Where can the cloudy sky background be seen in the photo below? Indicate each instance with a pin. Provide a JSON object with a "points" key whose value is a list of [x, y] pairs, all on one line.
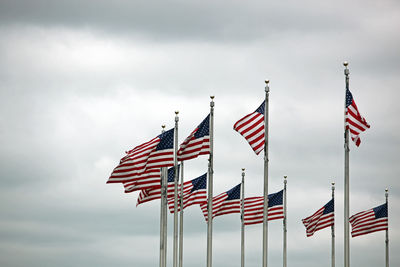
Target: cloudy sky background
{"points": [[83, 81]]}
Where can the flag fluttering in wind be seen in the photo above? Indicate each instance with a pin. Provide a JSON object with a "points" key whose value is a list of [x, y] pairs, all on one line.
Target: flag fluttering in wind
{"points": [[225, 203], [354, 121], [369, 221], [150, 178], [254, 208], [251, 127], [197, 143], [321, 219], [156, 153], [150, 194], [194, 192]]}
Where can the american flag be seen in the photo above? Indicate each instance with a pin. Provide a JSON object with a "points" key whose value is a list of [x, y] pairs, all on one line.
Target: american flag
{"points": [[354, 121], [369, 221], [225, 203], [150, 178], [156, 153], [150, 194], [251, 127], [323, 218], [254, 208], [197, 143], [194, 192]]}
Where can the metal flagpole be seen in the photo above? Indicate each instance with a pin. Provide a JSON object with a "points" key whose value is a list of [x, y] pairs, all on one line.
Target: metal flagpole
{"points": [[265, 210], [333, 227], [242, 220], [346, 181], [387, 232], [284, 223], [210, 186], [163, 221], [165, 214], [181, 221], [176, 178]]}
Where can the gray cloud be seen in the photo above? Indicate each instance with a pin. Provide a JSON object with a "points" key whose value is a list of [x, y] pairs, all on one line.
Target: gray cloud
{"points": [[181, 20], [82, 82]]}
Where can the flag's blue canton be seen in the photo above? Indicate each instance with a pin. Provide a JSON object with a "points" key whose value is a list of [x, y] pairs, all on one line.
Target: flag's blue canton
{"points": [[275, 199], [234, 193], [329, 207], [199, 183], [167, 140], [171, 174], [204, 128], [349, 98], [381, 211], [261, 108]]}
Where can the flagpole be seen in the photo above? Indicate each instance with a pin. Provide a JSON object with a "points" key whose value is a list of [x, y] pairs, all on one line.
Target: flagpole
{"points": [[181, 221], [284, 223], [346, 182], [210, 185], [387, 231], [333, 227], [242, 220], [165, 205], [176, 178], [265, 210], [163, 221]]}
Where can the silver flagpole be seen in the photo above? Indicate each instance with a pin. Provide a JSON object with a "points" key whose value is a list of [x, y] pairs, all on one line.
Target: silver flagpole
{"points": [[165, 214], [284, 223], [181, 221], [346, 182], [387, 232], [242, 220], [265, 218], [176, 178], [210, 186], [162, 216], [333, 227]]}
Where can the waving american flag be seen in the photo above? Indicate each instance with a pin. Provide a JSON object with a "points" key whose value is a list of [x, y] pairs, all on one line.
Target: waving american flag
{"points": [[254, 208], [251, 127], [194, 192], [324, 217], [156, 153], [354, 121], [225, 203], [197, 143], [369, 221]]}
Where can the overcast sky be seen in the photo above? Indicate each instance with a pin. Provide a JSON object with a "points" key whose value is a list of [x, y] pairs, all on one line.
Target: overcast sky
{"points": [[83, 81]]}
